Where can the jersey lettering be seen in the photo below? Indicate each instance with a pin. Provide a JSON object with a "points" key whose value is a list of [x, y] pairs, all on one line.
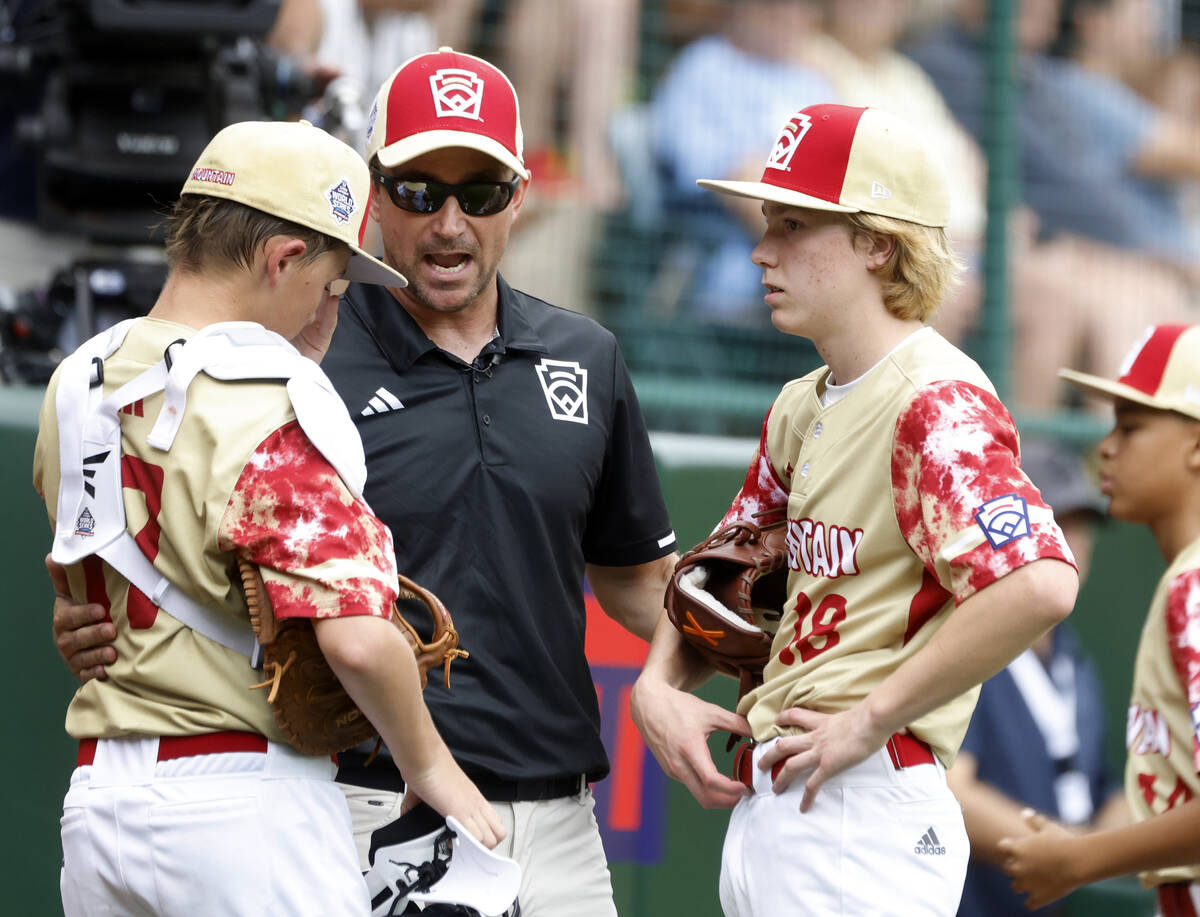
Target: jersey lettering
{"points": [[1181, 794], [823, 635], [820, 550], [1146, 732], [140, 475]]}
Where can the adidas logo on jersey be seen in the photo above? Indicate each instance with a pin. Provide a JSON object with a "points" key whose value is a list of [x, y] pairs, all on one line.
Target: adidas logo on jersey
{"points": [[929, 845], [382, 402]]}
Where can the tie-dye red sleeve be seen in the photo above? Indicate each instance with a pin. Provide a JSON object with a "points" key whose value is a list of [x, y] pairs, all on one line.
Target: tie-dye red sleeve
{"points": [[1183, 636], [963, 503], [763, 489], [322, 551]]}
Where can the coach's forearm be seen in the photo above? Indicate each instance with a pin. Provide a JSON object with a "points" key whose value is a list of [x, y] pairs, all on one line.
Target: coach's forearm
{"points": [[672, 661], [976, 641], [633, 595], [378, 670]]}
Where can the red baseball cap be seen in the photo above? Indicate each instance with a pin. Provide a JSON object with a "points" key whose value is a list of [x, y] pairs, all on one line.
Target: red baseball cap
{"points": [[850, 160], [446, 99], [1162, 370]]}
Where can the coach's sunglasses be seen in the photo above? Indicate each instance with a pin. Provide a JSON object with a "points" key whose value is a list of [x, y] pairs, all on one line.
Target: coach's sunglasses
{"points": [[475, 198]]}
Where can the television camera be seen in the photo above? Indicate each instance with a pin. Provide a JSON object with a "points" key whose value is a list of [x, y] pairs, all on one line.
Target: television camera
{"points": [[111, 101]]}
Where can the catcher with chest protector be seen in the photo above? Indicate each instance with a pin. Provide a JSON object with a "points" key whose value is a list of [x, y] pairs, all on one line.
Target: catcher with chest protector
{"points": [[169, 448]]}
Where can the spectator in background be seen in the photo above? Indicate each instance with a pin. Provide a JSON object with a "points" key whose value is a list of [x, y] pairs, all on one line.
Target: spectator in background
{"points": [[1131, 140], [1036, 738], [1088, 274], [748, 80], [856, 50], [572, 62], [366, 40]]}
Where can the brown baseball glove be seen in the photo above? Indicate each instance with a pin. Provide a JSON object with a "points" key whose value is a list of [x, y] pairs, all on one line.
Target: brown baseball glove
{"points": [[313, 710], [726, 597]]}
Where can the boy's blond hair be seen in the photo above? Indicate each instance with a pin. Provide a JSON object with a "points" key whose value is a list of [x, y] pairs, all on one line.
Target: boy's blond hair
{"points": [[922, 269], [209, 232]]}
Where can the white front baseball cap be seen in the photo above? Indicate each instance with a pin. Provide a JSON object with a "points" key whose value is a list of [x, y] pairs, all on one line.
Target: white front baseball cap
{"points": [[297, 172], [850, 160]]}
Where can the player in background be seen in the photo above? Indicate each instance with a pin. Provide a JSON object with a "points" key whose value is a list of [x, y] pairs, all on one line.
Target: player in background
{"points": [[186, 798], [921, 559], [1150, 471], [1037, 736]]}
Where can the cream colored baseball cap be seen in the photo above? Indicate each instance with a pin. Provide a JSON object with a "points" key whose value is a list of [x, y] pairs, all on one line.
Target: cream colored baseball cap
{"points": [[850, 160], [297, 172], [1161, 370], [446, 99]]}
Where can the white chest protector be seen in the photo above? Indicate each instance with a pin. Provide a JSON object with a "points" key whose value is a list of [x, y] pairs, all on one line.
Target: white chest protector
{"points": [[91, 508]]}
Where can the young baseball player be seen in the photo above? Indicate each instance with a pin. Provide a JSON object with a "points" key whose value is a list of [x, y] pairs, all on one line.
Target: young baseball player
{"points": [[921, 559], [171, 445], [1150, 471]]}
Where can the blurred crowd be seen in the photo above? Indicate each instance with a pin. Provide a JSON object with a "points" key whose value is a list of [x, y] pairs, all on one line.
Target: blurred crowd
{"points": [[627, 102]]}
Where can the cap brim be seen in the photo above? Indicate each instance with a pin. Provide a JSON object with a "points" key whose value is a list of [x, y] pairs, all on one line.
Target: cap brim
{"points": [[1107, 388], [761, 191], [410, 148], [363, 268]]}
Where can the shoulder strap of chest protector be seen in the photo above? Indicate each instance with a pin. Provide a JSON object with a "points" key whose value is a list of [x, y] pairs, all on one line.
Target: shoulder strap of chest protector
{"points": [[91, 509]]}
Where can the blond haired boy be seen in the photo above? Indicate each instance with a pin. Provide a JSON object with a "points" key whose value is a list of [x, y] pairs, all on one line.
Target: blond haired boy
{"points": [[168, 447], [921, 559], [1150, 471]]}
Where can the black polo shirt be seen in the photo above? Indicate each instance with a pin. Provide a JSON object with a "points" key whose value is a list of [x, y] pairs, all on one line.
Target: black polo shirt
{"points": [[499, 480]]}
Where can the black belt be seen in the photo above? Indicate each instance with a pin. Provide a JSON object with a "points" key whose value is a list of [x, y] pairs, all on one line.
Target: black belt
{"points": [[381, 774]]}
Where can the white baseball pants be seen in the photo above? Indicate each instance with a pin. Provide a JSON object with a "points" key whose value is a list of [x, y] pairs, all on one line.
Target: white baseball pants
{"points": [[877, 841], [237, 833]]}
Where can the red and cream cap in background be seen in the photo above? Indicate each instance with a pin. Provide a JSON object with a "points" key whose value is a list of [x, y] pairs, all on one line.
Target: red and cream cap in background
{"points": [[446, 99], [1162, 370], [850, 160], [296, 172]]}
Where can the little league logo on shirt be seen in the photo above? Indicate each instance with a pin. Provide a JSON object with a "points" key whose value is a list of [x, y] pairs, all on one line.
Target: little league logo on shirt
{"points": [[1004, 519], [565, 386], [457, 94], [789, 138], [341, 201]]}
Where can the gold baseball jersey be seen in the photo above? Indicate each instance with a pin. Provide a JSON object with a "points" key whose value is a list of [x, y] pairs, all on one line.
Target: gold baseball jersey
{"points": [[1161, 733], [903, 498], [240, 479]]}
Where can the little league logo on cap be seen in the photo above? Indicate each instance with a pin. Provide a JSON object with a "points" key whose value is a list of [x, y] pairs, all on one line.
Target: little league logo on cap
{"points": [[850, 160], [299, 173], [1161, 370], [456, 94], [446, 99]]}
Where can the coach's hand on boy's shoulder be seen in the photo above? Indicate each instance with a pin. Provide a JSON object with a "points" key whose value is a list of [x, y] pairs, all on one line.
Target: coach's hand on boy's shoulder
{"points": [[1041, 863], [831, 743]]}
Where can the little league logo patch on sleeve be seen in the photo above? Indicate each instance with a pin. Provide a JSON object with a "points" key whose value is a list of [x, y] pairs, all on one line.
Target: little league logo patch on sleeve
{"points": [[457, 93], [565, 385], [1004, 519], [341, 201], [789, 138]]}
